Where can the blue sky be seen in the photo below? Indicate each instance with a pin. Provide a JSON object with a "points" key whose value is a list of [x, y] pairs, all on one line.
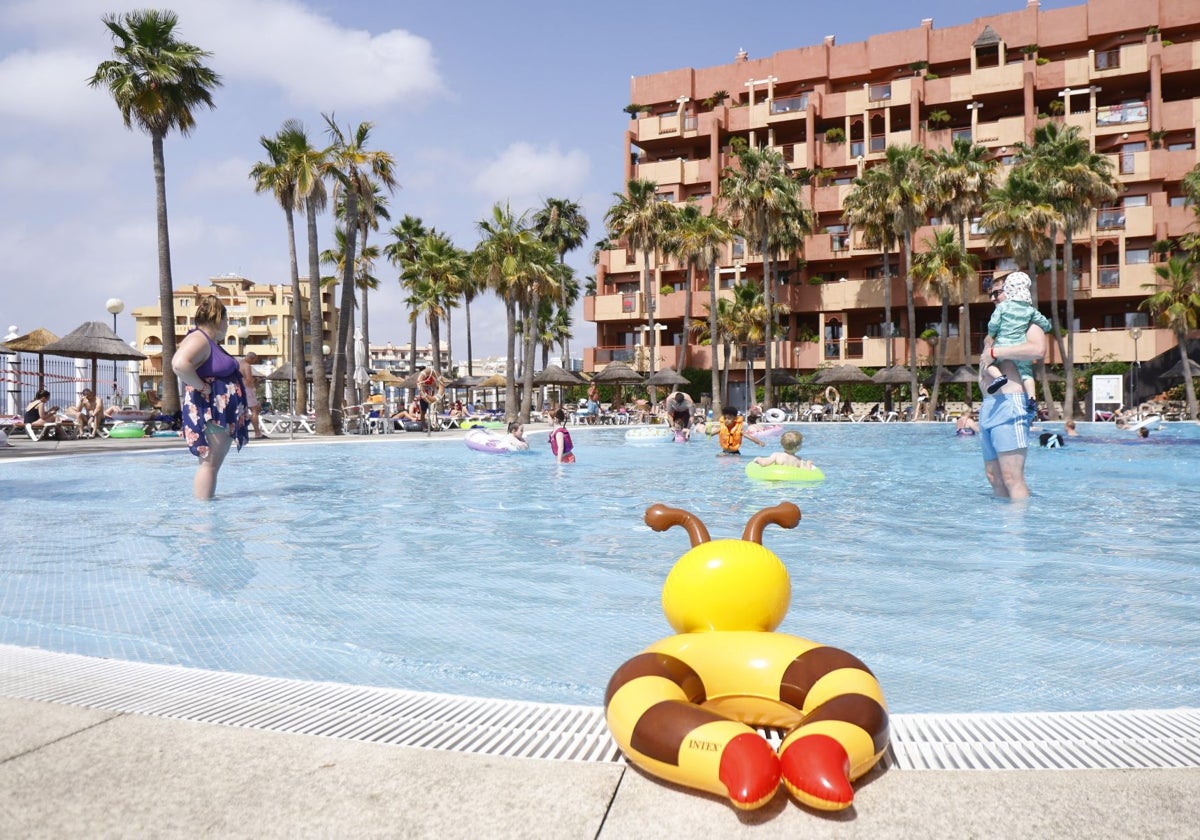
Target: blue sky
{"points": [[479, 102]]}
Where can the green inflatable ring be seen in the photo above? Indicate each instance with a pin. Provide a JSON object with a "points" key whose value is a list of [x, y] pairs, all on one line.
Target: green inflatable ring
{"points": [[127, 430], [780, 472]]}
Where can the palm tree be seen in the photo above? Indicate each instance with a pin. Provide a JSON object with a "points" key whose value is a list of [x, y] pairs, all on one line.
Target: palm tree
{"points": [[747, 323], [277, 175], [1175, 303], [641, 219], [697, 239], [158, 83], [372, 207], [401, 253], [354, 169], [910, 193], [507, 255], [867, 208], [433, 277], [1076, 180], [948, 268], [964, 177], [561, 223], [762, 194], [1017, 216]]}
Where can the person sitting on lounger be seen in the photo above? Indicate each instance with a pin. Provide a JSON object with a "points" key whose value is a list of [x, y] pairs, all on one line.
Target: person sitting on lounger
{"points": [[90, 413], [39, 414]]}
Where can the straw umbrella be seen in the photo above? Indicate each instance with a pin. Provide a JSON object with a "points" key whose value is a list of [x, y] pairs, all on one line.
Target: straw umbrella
{"points": [[845, 374], [668, 377], [93, 340], [31, 342], [618, 373], [556, 375], [497, 381]]}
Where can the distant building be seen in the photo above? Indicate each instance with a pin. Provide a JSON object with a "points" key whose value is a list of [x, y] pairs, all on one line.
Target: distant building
{"points": [[1124, 73], [264, 311]]}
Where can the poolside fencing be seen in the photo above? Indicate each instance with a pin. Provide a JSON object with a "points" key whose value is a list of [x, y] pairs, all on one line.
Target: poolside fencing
{"points": [[22, 374]]}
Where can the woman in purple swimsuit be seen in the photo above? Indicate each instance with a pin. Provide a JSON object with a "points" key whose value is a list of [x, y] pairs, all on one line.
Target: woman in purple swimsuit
{"points": [[214, 399]]}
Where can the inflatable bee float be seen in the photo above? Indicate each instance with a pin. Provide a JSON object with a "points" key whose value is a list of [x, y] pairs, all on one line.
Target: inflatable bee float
{"points": [[684, 708]]}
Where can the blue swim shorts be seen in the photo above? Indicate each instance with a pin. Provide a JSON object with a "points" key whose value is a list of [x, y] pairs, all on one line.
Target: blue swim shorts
{"points": [[1003, 424]]}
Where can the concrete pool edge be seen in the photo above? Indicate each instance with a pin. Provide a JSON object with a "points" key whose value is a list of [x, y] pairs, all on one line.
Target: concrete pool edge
{"points": [[1111, 740]]}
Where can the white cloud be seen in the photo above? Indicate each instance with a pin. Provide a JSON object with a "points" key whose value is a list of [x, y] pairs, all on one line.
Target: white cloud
{"points": [[227, 177], [524, 174], [50, 87]]}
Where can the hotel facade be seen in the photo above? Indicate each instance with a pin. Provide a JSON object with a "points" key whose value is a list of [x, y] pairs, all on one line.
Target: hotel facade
{"points": [[1126, 74]]}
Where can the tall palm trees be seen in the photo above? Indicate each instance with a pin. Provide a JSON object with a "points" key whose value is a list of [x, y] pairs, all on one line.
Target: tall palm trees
{"points": [[963, 176], [1175, 303], [354, 169], [697, 239], [513, 260], [948, 267], [278, 175], [561, 223], [1076, 180], [867, 209], [641, 219], [765, 199], [157, 82], [402, 252]]}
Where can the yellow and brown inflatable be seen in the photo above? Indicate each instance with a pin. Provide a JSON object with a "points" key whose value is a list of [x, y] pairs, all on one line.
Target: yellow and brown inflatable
{"points": [[683, 709]]}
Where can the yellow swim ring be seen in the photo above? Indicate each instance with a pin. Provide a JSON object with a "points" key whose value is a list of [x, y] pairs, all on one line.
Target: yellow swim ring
{"points": [[684, 708]]}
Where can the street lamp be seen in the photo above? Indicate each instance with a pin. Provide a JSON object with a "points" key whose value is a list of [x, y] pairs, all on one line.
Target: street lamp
{"points": [[243, 332], [115, 306], [1135, 333]]}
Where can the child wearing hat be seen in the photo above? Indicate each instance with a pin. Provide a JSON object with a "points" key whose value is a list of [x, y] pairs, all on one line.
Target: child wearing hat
{"points": [[1014, 314]]}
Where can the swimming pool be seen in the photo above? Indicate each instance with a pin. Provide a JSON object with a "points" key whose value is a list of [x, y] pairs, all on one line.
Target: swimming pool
{"points": [[423, 565]]}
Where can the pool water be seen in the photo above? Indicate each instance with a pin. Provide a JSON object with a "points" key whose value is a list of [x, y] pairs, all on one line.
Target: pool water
{"points": [[421, 564]]}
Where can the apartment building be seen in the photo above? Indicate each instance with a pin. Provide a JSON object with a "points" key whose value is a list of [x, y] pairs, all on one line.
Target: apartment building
{"points": [[260, 319], [1127, 74]]}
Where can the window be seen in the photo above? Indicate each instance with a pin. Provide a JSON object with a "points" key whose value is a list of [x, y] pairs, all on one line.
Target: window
{"points": [[880, 92], [1110, 219], [739, 247], [1178, 201], [185, 303], [260, 303], [1108, 278], [1108, 60], [1137, 256], [1133, 201], [977, 228], [1186, 145]]}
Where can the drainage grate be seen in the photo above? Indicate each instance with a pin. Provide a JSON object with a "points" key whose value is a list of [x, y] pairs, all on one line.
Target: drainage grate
{"points": [[1084, 740]]}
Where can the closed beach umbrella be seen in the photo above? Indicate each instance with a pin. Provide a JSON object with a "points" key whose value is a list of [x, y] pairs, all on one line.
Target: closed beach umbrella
{"points": [[361, 375]]}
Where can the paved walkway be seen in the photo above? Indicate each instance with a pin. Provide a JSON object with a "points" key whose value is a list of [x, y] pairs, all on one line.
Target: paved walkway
{"points": [[67, 771]]}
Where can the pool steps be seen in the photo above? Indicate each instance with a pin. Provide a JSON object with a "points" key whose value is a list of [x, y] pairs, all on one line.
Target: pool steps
{"points": [[510, 728]]}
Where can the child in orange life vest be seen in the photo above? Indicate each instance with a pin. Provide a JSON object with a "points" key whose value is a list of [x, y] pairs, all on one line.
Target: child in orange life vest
{"points": [[732, 430], [560, 440]]}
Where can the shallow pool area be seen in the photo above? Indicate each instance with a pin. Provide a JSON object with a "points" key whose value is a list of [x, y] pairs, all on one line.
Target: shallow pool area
{"points": [[420, 564]]}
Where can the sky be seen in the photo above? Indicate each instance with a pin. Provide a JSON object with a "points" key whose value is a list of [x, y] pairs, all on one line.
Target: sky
{"points": [[478, 102]]}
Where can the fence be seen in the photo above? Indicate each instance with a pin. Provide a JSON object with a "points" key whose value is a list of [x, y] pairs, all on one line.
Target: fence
{"points": [[23, 373]]}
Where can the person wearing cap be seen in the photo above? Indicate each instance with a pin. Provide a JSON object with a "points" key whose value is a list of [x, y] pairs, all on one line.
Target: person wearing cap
{"points": [[1009, 322], [1004, 417]]}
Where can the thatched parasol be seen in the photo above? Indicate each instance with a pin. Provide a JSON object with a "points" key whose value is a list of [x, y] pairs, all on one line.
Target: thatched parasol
{"points": [[93, 340], [618, 373], [33, 342], [667, 376], [1176, 370], [556, 375], [842, 374], [895, 375]]}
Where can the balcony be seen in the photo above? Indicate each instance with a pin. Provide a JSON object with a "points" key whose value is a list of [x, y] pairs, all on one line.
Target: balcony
{"points": [[1110, 219], [793, 106]]}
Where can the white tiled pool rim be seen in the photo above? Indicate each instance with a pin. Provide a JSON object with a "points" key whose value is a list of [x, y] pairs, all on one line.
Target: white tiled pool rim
{"points": [[1146, 739]]}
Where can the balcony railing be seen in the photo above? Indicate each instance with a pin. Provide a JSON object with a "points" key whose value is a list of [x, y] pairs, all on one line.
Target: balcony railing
{"points": [[1108, 278], [878, 142], [1110, 220], [878, 93], [1125, 112], [1108, 59], [790, 104]]}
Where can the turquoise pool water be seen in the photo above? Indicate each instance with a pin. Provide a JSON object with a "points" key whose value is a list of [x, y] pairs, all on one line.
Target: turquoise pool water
{"points": [[423, 565]]}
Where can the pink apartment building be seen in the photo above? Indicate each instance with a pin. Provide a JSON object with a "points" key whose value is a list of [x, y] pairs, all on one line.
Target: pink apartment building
{"points": [[1127, 74]]}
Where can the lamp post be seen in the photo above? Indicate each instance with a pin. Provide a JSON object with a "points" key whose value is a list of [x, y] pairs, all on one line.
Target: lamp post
{"points": [[115, 306], [1135, 333], [243, 332]]}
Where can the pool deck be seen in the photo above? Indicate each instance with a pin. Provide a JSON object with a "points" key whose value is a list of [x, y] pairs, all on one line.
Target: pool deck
{"points": [[70, 770]]}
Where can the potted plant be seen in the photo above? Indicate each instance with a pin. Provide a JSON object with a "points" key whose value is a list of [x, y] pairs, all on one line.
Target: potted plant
{"points": [[1056, 107], [835, 135], [633, 109], [938, 119], [917, 66], [1156, 138]]}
